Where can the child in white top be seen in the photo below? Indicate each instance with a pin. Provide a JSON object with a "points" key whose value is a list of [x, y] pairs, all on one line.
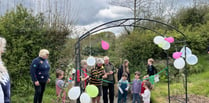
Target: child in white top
{"points": [[147, 94]]}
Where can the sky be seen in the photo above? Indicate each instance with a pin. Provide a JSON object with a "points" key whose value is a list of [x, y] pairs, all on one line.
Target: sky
{"points": [[87, 14]]}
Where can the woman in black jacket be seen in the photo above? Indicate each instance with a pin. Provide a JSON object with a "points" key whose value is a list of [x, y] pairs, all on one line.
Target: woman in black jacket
{"points": [[124, 69]]}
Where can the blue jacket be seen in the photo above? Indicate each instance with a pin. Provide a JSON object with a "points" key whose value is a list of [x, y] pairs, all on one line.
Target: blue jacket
{"points": [[5, 86], [39, 70]]}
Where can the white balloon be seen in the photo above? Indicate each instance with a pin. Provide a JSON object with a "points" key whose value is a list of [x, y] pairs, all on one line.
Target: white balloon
{"points": [[192, 59], [179, 63], [91, 61], [188, 52], [74, 93], [85, 98], [73, 70], [166, 45], [158, 39]]}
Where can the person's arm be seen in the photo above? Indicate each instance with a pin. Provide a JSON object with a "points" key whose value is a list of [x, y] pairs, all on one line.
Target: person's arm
{"points": [[33, 70], [148, 69], [78, 75], [120, 73], [127, 85], [60, 83], [140, 84], [145, 95], [154, 69], [119, 84], [132, 88]]}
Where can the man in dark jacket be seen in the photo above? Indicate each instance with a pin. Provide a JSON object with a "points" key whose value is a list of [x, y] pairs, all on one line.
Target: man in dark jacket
{"points": [[109, 72]]}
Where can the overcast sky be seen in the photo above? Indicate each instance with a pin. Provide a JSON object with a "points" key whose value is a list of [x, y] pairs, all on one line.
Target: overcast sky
{"points": [[86, 13]]}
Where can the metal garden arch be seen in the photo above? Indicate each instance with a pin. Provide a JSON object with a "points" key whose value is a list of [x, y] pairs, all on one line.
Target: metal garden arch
{"points": [[128, 22]]}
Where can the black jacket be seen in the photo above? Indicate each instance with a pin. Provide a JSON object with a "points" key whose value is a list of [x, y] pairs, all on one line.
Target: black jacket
{"points": [[120, 73], [151, 70]]}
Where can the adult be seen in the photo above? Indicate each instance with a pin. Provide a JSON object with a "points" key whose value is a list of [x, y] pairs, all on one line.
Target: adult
{"points": [[109, 72], [97, 73], [151, 70], [84, 75], [39, 71], [4, 76], [124, 69]]}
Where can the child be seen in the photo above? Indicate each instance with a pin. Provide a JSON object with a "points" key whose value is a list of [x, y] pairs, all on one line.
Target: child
{"points": [[151, 70], [123, 88], [136, 88], [142, 86], [60, 84], [147, 94]]}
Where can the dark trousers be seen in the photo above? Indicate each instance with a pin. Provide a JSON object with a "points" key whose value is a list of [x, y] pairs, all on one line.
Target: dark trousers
{"points": [[136, 98], [122, 97], [105, 89], [39, 91]]}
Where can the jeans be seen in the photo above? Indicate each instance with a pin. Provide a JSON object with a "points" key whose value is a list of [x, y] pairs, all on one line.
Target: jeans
{"points": [[111, 93], [39, 91], [122, 97], [136, 98]]}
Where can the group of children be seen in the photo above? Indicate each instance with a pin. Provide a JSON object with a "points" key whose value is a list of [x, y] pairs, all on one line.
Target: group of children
{"points": [[140, 89]]}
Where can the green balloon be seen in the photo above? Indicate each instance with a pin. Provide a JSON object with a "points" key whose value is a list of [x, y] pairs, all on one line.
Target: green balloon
{"points": [[92, 90]]}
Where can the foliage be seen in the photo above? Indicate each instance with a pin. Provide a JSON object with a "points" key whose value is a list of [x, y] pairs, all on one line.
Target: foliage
{"points": [[26, 35], [194, 16]]}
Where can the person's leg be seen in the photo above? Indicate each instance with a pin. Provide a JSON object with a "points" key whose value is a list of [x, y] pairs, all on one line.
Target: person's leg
{"points": [[119, 97], [64, 96], [125, 96], [93, 100], [137, 98], [111, 92], [133, 101], [37, 93], [105, 99], [42, 85], [98, 99]]}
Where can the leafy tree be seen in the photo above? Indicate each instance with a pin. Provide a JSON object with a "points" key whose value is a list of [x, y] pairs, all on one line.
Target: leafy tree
{"points": [[26, 34]]}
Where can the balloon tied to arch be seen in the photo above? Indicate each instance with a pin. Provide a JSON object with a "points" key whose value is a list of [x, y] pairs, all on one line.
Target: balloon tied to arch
{"points": [[180, 56]]}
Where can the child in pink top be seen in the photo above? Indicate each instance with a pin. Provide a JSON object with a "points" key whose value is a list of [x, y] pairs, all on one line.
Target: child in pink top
{"points": [[60, 84]]}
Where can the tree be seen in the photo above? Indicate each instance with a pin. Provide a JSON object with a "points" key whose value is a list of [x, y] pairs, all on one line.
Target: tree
{"points": [[26, 35]]}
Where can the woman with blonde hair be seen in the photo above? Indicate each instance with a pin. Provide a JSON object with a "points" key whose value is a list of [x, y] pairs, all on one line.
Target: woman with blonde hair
{"points": [[39, 71], [124, 69], [4, 76]]}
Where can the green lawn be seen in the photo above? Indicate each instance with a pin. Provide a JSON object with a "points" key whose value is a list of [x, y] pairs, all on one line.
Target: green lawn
{"points": [[198, 83]]}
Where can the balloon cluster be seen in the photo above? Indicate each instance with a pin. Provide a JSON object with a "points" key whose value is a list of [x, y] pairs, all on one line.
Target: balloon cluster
{"points": [[185, 52], [163, 43], [85, 97]]}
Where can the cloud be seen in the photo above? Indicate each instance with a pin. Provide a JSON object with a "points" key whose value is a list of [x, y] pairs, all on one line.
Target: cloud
{"points": [[114, 12]]}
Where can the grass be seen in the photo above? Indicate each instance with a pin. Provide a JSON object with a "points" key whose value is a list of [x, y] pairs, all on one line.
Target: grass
{"points": [[197, 83]]}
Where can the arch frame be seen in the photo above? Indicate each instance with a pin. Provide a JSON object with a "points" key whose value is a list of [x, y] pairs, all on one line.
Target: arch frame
{"points": [[129, 22]]}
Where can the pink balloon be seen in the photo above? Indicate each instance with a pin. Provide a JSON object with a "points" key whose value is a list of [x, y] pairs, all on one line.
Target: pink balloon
{"points": [[105, 45], [177, 55], [170, 39]]}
